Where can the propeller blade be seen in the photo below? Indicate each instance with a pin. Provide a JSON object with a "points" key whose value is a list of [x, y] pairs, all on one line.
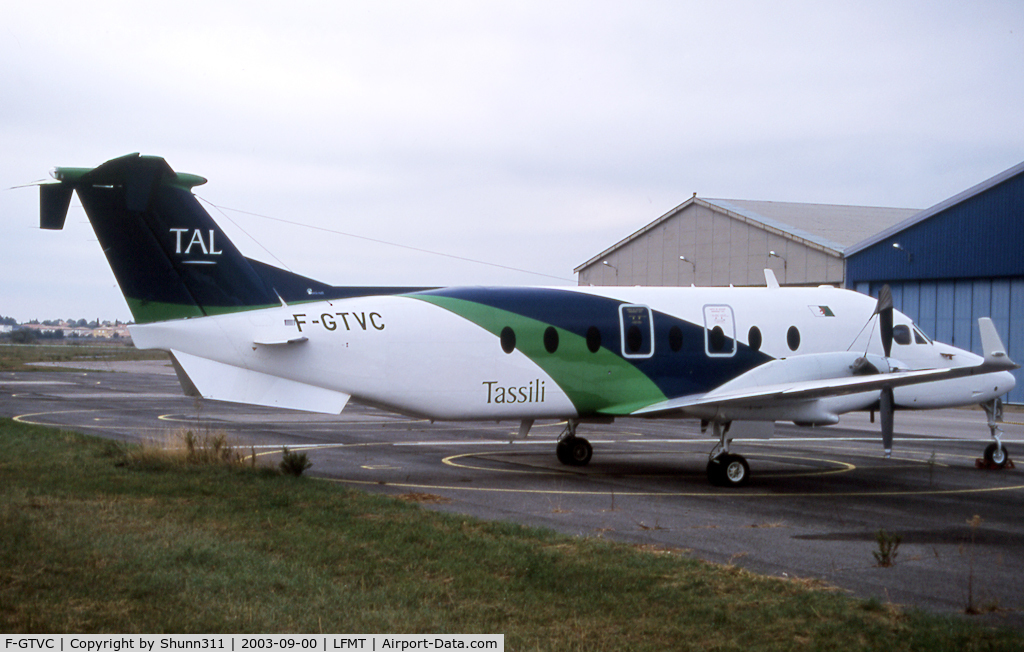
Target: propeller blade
{"points": [[884, 311], [886, 409]]}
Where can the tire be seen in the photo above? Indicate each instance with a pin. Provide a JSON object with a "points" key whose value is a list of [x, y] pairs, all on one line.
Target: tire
{"points": [[728, 471], [580, 451], [562, 452], [736, 471], [716, 471], [575, 451], [997, 455]]}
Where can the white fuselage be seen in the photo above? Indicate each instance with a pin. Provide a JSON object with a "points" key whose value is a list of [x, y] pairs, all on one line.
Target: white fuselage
{"points": [[443, 359]]}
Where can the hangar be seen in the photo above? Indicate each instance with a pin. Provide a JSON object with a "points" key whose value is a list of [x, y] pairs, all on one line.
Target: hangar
{"points": [[954, 262], [730, 242], [947, 265]]}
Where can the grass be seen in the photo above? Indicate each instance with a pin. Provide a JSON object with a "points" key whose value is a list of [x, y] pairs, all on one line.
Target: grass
{"points": [[95, 538], [16, 357]]}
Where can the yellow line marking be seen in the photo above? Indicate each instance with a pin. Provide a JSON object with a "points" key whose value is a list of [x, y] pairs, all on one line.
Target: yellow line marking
{"points": [[703, 494]]}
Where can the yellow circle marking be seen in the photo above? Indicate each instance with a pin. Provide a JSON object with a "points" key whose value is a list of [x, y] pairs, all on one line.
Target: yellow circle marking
{"points": [[844, 467]]}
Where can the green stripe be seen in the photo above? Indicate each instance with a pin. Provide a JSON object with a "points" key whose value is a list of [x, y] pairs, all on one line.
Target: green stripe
{"points": [[147, 312], [601, 383]]}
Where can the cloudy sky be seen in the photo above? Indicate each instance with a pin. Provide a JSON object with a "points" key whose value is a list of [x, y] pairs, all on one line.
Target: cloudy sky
{"points": [[528, 135]]}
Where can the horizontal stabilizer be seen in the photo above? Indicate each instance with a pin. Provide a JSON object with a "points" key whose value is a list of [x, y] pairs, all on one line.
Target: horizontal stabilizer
{"points": [[54, 201], [217, 381]]}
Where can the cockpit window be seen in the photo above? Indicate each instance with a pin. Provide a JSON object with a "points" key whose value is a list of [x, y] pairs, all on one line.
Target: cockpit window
{"points": [[920, 337], [901, 334]]}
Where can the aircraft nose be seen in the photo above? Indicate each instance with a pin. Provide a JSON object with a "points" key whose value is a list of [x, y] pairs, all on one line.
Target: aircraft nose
{"points": [[1004, 382], [993, 385]]}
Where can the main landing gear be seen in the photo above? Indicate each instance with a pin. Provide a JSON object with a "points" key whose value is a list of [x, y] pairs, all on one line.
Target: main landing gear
{"points": [[996, 455], [572, 450], [726, 469]]}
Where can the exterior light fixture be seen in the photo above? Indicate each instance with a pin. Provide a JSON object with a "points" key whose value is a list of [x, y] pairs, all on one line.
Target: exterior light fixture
{"points": [[897, 246], [687, 260], [785, 264]]}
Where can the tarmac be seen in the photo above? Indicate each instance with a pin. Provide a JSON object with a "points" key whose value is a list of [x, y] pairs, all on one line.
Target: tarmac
{"points": [[817, 499]]}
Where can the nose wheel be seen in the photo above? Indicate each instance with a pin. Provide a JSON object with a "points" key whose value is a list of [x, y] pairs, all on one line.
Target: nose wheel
{"points": [[996, 455]]}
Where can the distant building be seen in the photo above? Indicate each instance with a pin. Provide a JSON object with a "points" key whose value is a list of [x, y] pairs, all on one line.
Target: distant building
{"points": [[730, 242], [106, 331]]}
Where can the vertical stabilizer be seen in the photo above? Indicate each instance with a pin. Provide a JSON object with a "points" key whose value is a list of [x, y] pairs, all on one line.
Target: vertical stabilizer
{"points": [[170, 258]]}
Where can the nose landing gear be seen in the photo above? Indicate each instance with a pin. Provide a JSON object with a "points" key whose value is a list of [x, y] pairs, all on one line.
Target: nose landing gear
{"points": [[996, 455]]}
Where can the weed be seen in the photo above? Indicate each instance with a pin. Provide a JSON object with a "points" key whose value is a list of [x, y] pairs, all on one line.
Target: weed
{"points": [[971, 607], [872, 604], [293, 463], [185, 447], [888, 546]]}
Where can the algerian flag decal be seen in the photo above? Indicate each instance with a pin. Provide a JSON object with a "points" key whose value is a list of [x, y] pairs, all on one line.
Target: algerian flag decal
{"points": [[822, 311]]}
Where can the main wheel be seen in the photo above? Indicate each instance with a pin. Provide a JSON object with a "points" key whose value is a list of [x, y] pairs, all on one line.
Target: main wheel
{"points": [[562, 452], [737, 471], [996, 455], [728, 471], [574, 451], [716, 471]]}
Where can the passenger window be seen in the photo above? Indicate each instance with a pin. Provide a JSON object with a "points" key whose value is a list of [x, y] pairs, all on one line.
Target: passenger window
{"points": [[901, 334], [593, 339], [637, 331], [634, 339], [508, 339], [550, 339], [754, 338], [675, 339], [793, 338], [716, 340]]}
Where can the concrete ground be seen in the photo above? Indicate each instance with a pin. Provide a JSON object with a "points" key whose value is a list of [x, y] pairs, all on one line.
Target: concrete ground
{"points": [[817, 498]]}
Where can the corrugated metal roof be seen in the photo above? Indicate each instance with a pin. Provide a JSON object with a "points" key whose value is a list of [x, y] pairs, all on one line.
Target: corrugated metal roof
{"points": [[935, 210], [831, 227]]}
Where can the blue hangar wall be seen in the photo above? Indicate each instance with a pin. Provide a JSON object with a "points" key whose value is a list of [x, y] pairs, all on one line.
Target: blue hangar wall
{"points": [[957, 261]]}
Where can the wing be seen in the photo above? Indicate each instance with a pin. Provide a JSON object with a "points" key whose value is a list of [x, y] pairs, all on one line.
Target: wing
{"points": [[794, 383], [795, 391]]}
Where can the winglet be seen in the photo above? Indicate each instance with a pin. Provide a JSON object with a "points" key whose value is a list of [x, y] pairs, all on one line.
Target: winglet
{"points": [[770, 280], [992, 346]]}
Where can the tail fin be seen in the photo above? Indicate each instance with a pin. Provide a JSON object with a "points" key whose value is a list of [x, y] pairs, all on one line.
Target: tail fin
{"points": [[170, 258]]}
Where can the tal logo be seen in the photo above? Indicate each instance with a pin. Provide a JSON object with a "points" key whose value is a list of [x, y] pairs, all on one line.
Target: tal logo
{"points": [[196, 243]]}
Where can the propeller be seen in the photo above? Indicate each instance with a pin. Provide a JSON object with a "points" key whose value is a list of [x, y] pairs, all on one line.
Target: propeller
{"points": [[884, 311], [886, 401], [886, 413]]}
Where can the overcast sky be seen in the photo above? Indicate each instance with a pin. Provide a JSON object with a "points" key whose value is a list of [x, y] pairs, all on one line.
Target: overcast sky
{"points": [[530, 135]]}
